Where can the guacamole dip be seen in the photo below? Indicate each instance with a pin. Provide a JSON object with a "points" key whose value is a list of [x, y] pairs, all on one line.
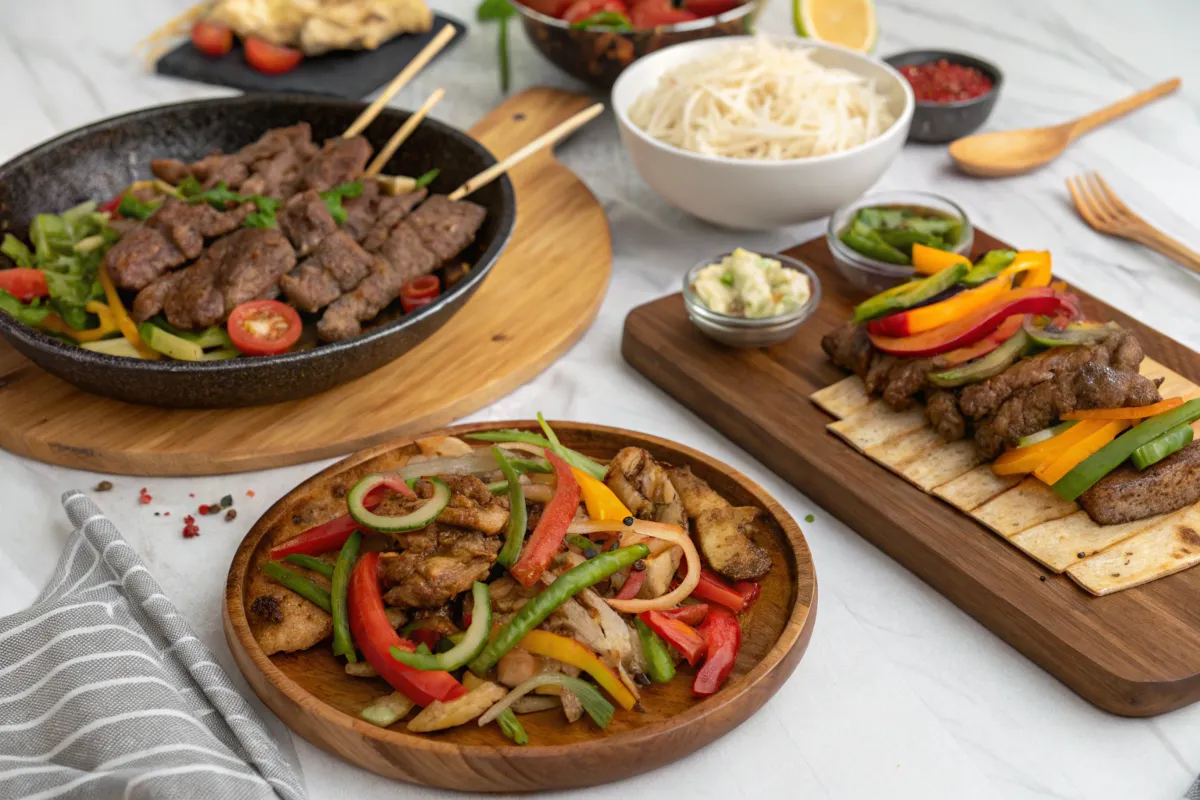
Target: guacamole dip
{"points": [[746, 284]]}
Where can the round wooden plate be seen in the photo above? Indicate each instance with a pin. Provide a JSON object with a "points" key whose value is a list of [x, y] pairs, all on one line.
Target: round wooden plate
{"points": [[311, 693]]}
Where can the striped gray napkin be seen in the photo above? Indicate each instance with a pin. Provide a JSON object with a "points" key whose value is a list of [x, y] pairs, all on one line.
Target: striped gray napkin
{"points": [[105, 691]]}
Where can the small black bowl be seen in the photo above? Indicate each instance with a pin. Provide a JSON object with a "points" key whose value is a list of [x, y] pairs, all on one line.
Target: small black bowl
{"points": [[100, 160], [945, 122]]}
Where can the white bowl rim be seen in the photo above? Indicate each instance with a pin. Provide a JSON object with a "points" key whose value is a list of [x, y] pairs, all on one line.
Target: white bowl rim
{"points": [[903, 121]]}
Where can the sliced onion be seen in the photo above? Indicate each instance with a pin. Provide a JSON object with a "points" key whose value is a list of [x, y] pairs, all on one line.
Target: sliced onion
{"points": [[599, 709], [538, 492], [665, 537], [629, 534], [528, 448], [478, 461]]}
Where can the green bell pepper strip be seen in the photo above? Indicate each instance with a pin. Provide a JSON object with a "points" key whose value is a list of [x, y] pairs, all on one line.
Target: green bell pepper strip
{"points": [[659, 664], [343, 643], [1070, 336], [534, 612], [989, 266], [590, 549], [992, 364], [297, 583], [515, 539], [873, 246], [1111, 456], [575, 459], [907, 295], [470, 646], [311, 562], [511, 727], [1169, 443], [903, 240]]}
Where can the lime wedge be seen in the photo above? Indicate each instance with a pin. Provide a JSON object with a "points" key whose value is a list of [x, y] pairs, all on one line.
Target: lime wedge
{"points": [[849, 23]]}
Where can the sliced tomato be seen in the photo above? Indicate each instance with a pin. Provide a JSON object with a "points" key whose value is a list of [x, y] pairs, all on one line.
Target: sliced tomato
{"points": [[420, 292], [271, 59], [264, 327], [653, 13], [551, 8], [710, 8], [24, 283], [582, 9], [212, 39], [110, 206]]}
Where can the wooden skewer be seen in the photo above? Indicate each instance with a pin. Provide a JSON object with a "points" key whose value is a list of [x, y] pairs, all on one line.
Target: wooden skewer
{"points": [[545, 140], [416, 65], [403, 132]]}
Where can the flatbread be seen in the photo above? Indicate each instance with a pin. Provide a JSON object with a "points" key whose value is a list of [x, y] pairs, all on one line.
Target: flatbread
{"points": [[1170, 546], [1028, 503], [877, 423], [1059, 543], [925, 459], [974, 488], [843, 398], [1173, 385]]}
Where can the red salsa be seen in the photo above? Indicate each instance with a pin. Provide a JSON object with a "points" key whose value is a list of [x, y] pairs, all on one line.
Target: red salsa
{"points": [[943, 82]]}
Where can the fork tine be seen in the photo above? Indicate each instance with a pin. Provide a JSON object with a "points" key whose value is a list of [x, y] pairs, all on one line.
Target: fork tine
{"points": [[1112, 196], [1080, 206], [1084, 204], [1103, 201], [1107, 214]]}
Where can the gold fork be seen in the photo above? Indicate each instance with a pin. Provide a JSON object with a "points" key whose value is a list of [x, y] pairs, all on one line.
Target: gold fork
{"points": [[1103, 210]]}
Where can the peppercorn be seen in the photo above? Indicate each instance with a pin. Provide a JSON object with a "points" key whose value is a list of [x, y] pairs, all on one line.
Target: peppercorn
{"points": [[103, 486], [231, 515]]}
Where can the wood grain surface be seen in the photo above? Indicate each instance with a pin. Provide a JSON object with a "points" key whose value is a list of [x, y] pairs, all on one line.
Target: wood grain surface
{"points": [[502, 337], [1135, 653], [311, 693]]}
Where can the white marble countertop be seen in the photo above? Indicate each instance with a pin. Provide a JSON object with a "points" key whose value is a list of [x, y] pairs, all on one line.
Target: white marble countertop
{"points": [[900, 695]]}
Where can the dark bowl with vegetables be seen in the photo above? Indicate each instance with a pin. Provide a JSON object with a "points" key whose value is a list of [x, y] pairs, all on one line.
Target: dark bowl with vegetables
{"points": [[594, 40], [872, 238], [101, 160], [955, 92]]}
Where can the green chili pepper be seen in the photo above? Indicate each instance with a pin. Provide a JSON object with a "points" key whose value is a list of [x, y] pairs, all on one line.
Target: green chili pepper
{"points": [[1170, 442], [297, 583], [534, 612], [511, 727], [516, 511], [1109, 457], [311, 562], [343, 644], [575, 459], [659, 664]]}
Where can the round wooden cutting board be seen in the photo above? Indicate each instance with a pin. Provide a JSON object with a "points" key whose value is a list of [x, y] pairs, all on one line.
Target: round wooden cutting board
{"points": [[506, 334]]}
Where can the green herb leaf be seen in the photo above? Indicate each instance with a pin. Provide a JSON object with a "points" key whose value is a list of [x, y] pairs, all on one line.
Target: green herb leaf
{"points": [[219, 197], [427, 178], [333, 199], [189, 187], [30, 314], [490, 10], [132, 208], [605, 20]]}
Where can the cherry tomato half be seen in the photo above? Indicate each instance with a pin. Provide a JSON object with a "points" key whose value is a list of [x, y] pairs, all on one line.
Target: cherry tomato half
{"points": [[582, 9], [420, 292], [271, 59], [24, 283], [653, 13], [212, 39], [710, 8], [264, 327]]}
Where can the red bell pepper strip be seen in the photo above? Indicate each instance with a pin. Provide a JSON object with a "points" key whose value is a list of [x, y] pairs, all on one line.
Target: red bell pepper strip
{"points": [[724, 638], [330, 536], [963, 332], [375, 637], [427, 637], [749, 590], [551, 529], [632, 585], [693, 615], [680, 635], [716, 590], [1006, 331]]}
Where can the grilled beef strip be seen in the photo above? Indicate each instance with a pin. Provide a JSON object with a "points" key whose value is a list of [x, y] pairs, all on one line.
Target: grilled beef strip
{"points": [[877, 372], [361, 211], [305, 220], [1125, 494], [337, 265], [387, 212], [941, 407], [339, 161], [905, 381], [1092, 385], [849, 347], [294, 143]]}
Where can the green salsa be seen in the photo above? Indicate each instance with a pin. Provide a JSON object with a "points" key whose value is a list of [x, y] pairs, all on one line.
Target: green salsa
{"points": [[888, 233]]}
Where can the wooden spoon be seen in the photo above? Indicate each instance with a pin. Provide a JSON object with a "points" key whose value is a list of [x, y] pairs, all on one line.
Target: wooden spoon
{"points": [[1004, 153]]}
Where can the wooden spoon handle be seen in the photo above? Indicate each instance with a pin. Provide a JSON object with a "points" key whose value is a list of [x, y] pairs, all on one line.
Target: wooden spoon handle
{"points": [[1122, 107]]}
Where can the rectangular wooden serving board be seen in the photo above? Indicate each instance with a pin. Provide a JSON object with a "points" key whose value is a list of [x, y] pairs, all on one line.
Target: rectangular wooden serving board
{"points": [[1135, 653]]}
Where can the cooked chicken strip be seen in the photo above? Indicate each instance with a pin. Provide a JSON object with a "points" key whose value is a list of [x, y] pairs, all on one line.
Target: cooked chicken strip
{"points": [[722, 531], [644, 487]]}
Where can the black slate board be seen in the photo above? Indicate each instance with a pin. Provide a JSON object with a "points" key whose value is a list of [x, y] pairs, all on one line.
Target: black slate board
{"points": [[346, 73]]}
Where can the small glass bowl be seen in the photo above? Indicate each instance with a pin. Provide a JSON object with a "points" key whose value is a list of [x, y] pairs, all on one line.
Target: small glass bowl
{"points": [[874, 276], [741, 331]]}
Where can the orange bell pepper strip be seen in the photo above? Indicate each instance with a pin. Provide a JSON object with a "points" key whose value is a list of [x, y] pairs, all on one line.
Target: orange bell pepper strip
{"points": [[569, 651], [1051, 472], [928, 260], [1140, 412], [1006, 331], [126, 325], [600, 501], [1027, 459]]}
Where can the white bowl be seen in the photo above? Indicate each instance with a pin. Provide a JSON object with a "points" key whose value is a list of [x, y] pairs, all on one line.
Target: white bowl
{"points": [[760, 195]]}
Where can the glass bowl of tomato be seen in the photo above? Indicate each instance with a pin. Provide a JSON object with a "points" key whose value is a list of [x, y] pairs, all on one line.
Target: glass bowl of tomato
{"points": [[955, 92], [594, 40]]}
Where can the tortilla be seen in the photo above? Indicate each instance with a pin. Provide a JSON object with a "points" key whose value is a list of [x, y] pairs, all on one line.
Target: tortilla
{"points": [[1173, 385], [975, 487], [877, 423], [843, 398], [1028, 503], [1059, 543], [925, 459], [1164, 549]]}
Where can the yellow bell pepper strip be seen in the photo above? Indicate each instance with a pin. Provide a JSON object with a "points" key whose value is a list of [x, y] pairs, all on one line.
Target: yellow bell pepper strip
{"points": [[600, 501], [126, 325], [1139, 412], [53, 322], [909, 294], [928, 260], [569, 651], [1035, 264], [1027, 459], [1051, 472]]}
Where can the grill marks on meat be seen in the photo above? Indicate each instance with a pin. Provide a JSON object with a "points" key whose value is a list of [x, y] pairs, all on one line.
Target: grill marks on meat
{"points": [[1093, 385], [336, 265], [436, 564], [171, 236], [1125, 494], [305, 220], [339, 161]]}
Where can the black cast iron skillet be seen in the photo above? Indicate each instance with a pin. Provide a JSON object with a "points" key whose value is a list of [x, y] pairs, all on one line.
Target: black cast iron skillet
{"points": [[98, 161]]}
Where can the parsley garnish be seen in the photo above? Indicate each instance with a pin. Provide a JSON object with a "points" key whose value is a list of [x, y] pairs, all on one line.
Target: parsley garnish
{"points": [[499, 11], [133, 208], [427, 178], [333, 199]]}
